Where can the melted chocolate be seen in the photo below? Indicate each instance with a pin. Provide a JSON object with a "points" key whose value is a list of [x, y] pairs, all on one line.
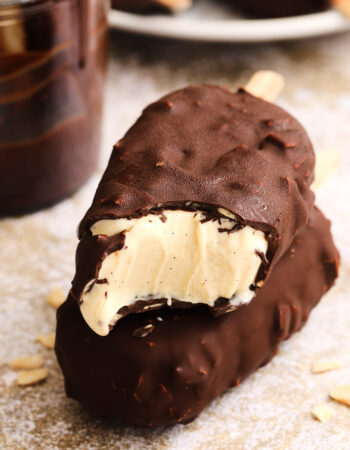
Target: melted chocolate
{"points": [[51, 93], [163, 367]]}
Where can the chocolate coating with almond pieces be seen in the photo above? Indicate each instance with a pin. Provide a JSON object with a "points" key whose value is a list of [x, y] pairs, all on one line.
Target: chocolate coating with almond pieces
{"points": [[164, 367], [207, 145]]}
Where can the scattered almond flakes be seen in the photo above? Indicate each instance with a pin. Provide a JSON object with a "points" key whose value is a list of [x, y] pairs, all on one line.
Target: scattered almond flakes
{"points": [[325, 366], [27, 362], [47, 340], [56, 297], [323, 413], [341, 394], [28, 377]]}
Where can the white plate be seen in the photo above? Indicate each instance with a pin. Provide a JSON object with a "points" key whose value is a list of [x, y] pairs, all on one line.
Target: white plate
{"points": [[209, 21]]}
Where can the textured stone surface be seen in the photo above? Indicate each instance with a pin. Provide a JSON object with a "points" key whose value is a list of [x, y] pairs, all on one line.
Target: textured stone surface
{"points": [[273, 408]]}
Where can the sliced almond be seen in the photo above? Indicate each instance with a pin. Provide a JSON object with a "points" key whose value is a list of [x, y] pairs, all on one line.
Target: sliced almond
{"points": [[56, 297], [323, 413], [47, 340], [28, 377], [341, 394], [27, 362], [265, 84], [325, 366]]}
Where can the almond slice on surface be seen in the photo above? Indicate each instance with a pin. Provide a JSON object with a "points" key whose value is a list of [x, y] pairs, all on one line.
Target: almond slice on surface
{"points": [[265, 84], [56, 297], [323, 413], [341, 394], [47, 340], [27, 362], [327, 162], [29, 377], [325, 366]]}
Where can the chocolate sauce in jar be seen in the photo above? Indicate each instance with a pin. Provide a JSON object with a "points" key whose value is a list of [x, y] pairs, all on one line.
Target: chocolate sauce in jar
{"points": [[52, 70]]}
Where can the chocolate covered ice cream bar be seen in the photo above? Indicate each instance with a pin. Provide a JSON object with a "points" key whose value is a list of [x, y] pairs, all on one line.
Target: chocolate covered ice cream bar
{"points": [[164, 367], [202, 250], [199, 201]]}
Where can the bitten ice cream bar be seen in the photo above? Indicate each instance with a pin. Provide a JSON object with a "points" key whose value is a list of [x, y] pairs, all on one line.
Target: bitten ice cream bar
{"points": [[201, 251], [165, 366], [199, 201]]}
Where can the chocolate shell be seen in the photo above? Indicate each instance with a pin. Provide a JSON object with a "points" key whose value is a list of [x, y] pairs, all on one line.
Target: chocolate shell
{"points": [[166, 366], [216, 149]]}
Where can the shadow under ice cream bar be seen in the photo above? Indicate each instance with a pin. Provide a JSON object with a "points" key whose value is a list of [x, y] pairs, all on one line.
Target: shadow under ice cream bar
{"points": [[205, 201]]}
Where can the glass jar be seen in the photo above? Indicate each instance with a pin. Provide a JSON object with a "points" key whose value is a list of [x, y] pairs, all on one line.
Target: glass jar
{"points": [[52, 72]]}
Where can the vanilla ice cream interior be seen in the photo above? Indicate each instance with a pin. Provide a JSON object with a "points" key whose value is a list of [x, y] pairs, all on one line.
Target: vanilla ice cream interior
{"points": [[176, 255]]}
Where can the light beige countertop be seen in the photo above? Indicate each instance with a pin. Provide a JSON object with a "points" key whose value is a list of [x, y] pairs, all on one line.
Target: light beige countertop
{"points": [[271, 410]]}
